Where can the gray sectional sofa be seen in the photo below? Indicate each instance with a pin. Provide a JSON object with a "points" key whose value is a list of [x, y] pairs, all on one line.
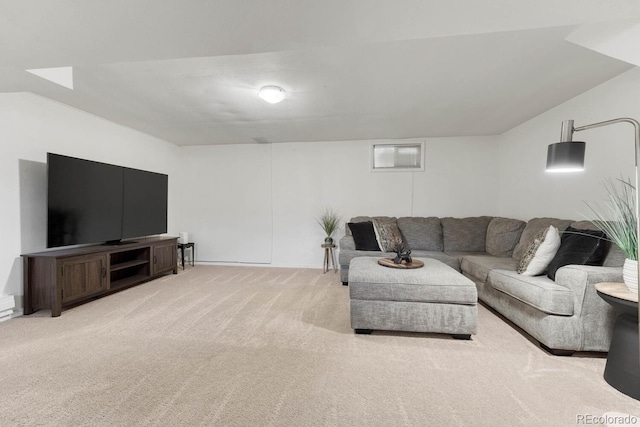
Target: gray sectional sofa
{"points": [[564, 315]]}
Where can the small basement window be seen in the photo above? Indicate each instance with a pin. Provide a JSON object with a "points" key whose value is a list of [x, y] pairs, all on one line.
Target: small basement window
{"points": [[397, 157]]}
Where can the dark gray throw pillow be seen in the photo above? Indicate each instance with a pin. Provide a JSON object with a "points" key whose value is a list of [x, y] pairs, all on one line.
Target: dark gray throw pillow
{"points": [[578, 247], [364, 236]]}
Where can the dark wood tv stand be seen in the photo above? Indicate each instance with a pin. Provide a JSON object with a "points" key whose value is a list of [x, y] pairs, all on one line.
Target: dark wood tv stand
{"points": [[67, 277]]}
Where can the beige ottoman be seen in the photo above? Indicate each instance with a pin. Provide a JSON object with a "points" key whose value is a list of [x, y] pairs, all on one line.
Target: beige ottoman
{"points": [[434, 298]]}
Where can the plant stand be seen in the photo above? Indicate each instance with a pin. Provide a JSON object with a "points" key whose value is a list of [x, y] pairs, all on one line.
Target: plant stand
{"points": [[329, 257]]}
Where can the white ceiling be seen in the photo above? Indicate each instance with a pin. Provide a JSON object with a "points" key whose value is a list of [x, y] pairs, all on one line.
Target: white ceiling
{"points": [[188, 71]]}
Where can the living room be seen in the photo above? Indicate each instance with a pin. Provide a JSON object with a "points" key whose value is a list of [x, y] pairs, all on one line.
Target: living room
{"points": [[256, 204]]}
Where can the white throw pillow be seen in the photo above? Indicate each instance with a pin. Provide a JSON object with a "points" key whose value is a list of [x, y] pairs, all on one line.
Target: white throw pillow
{"points": [[541, 250]]}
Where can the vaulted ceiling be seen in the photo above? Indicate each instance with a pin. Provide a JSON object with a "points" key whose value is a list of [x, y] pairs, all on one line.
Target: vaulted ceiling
{"points": [[188, 71]]}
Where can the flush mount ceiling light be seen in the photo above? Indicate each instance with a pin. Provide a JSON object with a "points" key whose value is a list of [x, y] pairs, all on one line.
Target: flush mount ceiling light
{"points": [[272, 94]]}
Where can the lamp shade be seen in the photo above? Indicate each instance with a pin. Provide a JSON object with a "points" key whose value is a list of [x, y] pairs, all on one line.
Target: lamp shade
{"points": [[272, 94], [566, 157]]}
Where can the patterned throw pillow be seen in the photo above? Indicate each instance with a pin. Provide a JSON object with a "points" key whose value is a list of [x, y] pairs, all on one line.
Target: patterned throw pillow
{"points": [[388, 234], [540, 251]]}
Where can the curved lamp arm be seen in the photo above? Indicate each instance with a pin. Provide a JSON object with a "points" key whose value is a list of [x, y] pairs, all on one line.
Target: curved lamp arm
{"points": [[567, 136], [566, 133]]}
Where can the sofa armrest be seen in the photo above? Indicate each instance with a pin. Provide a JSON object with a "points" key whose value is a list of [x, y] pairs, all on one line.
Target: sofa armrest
{"points": [[347, 243], [597, 316], [581, 279]]}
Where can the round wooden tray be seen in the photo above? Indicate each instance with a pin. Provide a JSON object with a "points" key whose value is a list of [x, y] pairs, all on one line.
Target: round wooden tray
{"points": [[388, 262]]}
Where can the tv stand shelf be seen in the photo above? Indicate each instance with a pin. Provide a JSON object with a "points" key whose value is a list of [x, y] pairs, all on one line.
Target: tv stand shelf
{"points": [[61, 278], [128, 281], [128, 264]]}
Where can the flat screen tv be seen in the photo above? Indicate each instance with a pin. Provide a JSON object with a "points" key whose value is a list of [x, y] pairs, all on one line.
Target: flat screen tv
{"points": [[93, 202]]}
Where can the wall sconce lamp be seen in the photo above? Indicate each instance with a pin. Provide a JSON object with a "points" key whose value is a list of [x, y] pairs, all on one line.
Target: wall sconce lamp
{"points": [[568, 156]]}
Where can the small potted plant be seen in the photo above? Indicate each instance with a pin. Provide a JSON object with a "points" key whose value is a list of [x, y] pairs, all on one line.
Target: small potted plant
{"points": [[619, 222], [329, 221]]}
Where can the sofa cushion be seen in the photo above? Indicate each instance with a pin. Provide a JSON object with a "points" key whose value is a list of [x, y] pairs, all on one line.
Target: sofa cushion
{"points": [[584, 225], [533, 227], [451, 260], [479, 266], [462, 254], [579, 247], [346, 243], [422, 233], [364, 236], [388, 234], [539, 292], [615, 257], [541, 250], [465, 234], [503, 234]]}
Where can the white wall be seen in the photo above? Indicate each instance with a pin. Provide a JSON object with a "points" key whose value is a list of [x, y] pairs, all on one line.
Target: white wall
{"points": [[291, 183], [527, 191], [225, 199], [31, 126]]}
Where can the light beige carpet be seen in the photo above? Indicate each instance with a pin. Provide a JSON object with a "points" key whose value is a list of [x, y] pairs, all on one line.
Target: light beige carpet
{"points": [[245, 346]]}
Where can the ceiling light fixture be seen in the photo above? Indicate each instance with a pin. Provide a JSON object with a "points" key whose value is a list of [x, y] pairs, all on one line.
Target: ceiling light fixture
{"points": [[272, 94]]}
